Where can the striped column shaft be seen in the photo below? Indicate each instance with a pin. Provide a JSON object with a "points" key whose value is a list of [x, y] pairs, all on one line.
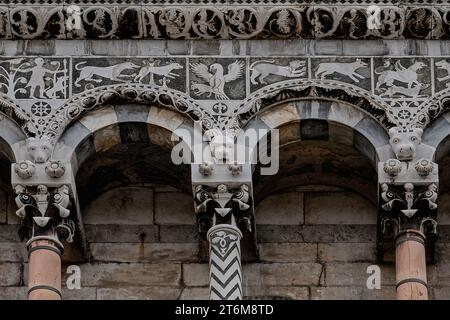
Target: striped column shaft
{"points": [[225, 273]]}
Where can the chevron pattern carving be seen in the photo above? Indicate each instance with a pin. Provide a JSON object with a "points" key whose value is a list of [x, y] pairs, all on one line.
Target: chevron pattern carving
{"points": [[225, 263]]}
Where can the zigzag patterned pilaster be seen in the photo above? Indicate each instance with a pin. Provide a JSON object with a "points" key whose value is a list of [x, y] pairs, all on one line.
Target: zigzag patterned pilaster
{"points": [[225, 272]]}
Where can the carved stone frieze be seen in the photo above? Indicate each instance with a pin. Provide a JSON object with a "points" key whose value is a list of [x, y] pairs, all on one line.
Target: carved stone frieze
{"points": [[230, 20], [222, 92]]}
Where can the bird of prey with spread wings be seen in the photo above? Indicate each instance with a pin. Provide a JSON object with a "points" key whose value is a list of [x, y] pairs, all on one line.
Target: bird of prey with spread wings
{"points": [[215, 78]]}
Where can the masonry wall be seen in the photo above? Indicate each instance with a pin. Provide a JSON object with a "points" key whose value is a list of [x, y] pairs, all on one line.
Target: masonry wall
{"points": [[314, 243]]}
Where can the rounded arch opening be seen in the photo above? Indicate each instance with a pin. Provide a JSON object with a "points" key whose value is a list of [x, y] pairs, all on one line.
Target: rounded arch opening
{"points": [[322, 142], [124, 145]]}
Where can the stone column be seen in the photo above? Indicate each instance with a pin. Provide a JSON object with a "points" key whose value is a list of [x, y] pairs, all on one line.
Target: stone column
{"points": [[222, 190], [43, 190], [408, 188], [45, 223], [408, 217], [410, 265], [220, 213], [44, 274]]}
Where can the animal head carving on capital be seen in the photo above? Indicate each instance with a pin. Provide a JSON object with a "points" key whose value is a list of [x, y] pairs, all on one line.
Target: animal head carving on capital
{"points": [[404, 142], [39, 149]]}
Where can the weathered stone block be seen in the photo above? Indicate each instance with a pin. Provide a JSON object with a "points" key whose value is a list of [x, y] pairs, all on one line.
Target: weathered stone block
{"points": [[441, 293], [288, 252], [114, 275], [290, 274], [13, 293], [144, 252], [269, 210], [138, 293], [196, 274], [121, 233], [198, 293], [87, 293], [13, 252], [338, 208], [336, 293], [174, 208], [384, 293], [350, 252], [128, 205], [179, 233], [11, 274]]}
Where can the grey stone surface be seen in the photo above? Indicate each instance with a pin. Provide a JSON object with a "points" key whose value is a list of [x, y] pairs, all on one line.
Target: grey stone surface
{"points": [[13, 252], [355, 274], [144, 252], [196, 293], [174, 209], [336, 293], [195, 274], [13, 293], [117, 233], [288, 292], [348, 252], [118, 275], [11, 274], [288, 252], [86, 293], [138, 293], [338, 208], [268, 211], [128, 206]]}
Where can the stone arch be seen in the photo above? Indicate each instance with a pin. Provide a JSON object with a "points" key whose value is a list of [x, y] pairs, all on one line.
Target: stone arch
{"points": [[89, 100], [292, 90], [326, 122], [106, 127]]}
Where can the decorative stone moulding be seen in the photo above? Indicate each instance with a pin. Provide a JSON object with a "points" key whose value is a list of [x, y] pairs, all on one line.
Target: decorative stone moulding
{"points": [[254, 19]]}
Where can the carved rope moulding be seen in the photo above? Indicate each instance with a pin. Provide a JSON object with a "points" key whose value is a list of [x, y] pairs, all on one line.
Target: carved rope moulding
{"points": [[44, 94], [249, 20]]}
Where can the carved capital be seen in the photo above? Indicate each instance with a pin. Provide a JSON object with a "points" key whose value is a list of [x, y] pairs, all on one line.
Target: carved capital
{"points": [[408, 207], [223, 205], [45, 213]]}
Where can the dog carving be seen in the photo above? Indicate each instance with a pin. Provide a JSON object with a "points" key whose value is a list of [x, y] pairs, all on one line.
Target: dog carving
{"points": [[164, 71], [111, 72], [264, 68], [344, 68]]}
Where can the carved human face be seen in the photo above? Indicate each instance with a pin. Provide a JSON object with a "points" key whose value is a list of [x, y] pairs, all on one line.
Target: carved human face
{"points": [[39, 150], [404, 142]]}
